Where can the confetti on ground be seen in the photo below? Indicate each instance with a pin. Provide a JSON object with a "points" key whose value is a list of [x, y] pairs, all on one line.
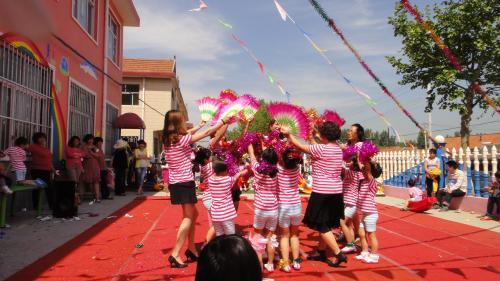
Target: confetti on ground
{"points": [[128, 216], [139, 246]]}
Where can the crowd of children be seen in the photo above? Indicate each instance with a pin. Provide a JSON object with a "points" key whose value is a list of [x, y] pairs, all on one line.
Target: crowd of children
{"points": [[275, 168]]}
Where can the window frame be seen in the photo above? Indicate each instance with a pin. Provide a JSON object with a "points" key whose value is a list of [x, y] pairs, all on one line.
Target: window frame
{"points": [[131, 93], [112, 19], [95, 27], [71, 80]]}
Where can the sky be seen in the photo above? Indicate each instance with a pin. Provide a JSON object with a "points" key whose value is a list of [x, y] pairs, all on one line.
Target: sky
{"points": [[209, 60]]}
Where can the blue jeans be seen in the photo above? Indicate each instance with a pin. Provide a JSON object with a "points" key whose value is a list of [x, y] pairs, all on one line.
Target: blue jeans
{"points": [[140, 175]]}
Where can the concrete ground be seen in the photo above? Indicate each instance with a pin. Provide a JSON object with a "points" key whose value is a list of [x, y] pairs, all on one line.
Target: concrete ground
{"points": [[28, 238]]}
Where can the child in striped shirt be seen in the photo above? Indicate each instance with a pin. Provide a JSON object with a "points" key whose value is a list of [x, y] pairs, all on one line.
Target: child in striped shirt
{"points": [[17, 156], [203, 158], [222, 209], [367, 206], [290, 208], [352, 178], [266, 198]]}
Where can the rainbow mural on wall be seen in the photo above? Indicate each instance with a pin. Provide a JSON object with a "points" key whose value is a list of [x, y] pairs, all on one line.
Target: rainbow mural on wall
{"points": [[59, 126]]}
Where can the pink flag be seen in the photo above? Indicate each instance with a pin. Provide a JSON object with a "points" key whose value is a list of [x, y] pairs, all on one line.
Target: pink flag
{"points": [[282, 11], [261, 66], [202, 7]]}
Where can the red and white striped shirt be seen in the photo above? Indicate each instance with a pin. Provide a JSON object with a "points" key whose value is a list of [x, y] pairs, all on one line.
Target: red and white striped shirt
{"points": [[288, 182], [17, 156], [327, 168], [366, 198], [351, 186], [178, 157], [206, 172], [222, 203], [266, 190]]}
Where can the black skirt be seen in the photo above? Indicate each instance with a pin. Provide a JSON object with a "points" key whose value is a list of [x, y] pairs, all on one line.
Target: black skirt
{"points": [[183, 193], [324, 212]]}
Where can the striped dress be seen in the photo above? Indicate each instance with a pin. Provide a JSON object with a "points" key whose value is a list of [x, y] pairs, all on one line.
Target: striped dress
{"points": [[366, 199], [351, 186], [178, 158], [288, 182], [266, 190], [222, 204]]}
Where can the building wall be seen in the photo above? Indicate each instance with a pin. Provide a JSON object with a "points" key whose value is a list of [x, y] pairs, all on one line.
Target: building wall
{"points": [[59, 55], [158, 94]]}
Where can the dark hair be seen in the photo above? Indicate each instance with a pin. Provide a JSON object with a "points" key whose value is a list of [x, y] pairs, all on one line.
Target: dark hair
{"points": [[360, 131], [497, 175], [219, 166], [21, 141], [412, 182], [98, 140], [329, 130], [291, 158], [376, 169], [202, 155], [270, 156], [355, 162], [139, 142], [432, 150], [228, 258], [38, 136], [87, 137], [452, 163], [72, 140]]}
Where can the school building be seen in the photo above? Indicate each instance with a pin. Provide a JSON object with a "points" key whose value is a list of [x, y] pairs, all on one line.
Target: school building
{"points": [[69, 82]]}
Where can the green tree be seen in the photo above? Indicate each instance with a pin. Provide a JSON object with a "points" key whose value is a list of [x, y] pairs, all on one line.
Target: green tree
{"points": [[421, 139], [470, 28], [260, 123]]}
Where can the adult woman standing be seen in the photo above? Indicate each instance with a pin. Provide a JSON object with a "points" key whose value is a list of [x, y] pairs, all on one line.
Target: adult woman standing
{"points": [[101, 159], [120, 166], [326, 207], [41, 166], [432, 167], [73, 157], [177, 149], [142, 163], [91, 171], [356, 135]]}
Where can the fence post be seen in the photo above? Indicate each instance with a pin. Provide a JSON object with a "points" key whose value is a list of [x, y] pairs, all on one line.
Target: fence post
{"points": [[454, 154], [405, 167], [485, 171], [461, 158], [400, 167], [468, 172], [422, 169], [477, 174], [412, 163]]}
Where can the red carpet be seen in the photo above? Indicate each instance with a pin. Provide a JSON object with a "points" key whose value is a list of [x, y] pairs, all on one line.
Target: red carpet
{"points": [[413, 247]]}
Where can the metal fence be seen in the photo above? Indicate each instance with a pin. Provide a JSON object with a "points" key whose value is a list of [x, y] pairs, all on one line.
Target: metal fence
{"points": [[25, 95]]}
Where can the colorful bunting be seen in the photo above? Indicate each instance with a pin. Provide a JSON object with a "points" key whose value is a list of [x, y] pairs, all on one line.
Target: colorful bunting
{"points": [[225, 24], [386, 91]]}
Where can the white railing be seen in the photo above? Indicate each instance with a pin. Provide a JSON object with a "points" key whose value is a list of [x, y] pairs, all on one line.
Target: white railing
{"points": [[399, 166]]}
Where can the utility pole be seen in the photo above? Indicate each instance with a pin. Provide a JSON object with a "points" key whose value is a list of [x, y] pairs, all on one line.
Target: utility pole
{"points": [[430, 129]]}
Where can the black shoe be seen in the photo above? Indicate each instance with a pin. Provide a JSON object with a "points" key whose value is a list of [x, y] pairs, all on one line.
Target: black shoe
{"points": [[175, 264], [339, 259], [190, 255], [321, 256]]}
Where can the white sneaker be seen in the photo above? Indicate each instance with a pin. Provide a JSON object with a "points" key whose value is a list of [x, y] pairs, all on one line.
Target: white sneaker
{"points": [[349, 248], [372, 258], [362, 256], [6, 189], [76, 218], [269, 267]]}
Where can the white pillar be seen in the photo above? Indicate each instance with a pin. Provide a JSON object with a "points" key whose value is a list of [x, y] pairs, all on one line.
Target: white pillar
{"points": [[493, 161], [454, 154], [461, 157], [485, 162]]}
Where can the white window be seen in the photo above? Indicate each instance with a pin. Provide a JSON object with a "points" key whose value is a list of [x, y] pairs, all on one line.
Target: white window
{"points": [[112, 133], [130, 94], [113, 39], [25, 95], [84, 11], [81, 111]]}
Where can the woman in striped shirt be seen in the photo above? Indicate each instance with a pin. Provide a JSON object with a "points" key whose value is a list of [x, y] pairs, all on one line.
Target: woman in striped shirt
{"points": [[177, 147], [325, 208], [266, 198], [368, 207], [222, 209], [290, 208]]}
